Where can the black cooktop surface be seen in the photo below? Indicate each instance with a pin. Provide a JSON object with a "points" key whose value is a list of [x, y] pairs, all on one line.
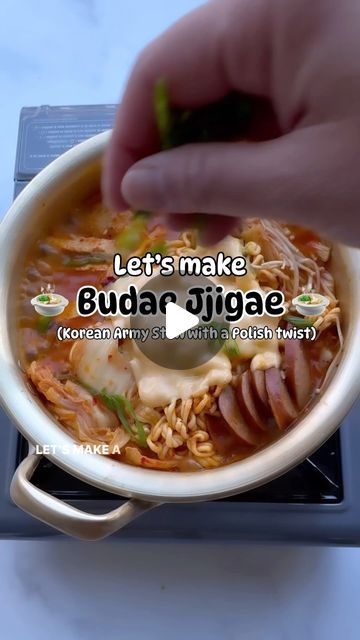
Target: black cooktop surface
{"points": [[317, 480], [317, 502]]}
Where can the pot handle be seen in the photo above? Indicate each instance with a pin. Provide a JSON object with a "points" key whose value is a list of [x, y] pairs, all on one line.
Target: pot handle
{"points": [[62, 516]]}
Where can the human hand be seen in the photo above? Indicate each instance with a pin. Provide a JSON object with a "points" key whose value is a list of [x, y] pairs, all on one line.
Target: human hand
{"points": [[304, 58]]}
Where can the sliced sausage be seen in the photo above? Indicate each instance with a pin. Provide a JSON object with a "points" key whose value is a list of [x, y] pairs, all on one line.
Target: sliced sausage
{"points": [[281, 404], [225, 440], [230, 411], [259, 386], [247, 402], [297, 371]]}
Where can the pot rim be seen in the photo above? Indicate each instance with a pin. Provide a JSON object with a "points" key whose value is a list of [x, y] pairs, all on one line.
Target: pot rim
{"points": [[41, 429]]}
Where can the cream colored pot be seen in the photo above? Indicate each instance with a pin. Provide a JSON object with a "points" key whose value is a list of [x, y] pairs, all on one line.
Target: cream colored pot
{"points": [[66, 181]]}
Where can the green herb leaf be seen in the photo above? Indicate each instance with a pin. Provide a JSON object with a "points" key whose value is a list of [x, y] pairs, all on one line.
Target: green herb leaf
{"points": [[215, 343], [123, 408], [141, 435], [304, 298], [131, 237], [94, 392], [231, 349], [226, 119], [159, 247], [163, 114], [142, 215], [230, 346], [115, 404], [299, 322], [43, 324], [43, 297]]}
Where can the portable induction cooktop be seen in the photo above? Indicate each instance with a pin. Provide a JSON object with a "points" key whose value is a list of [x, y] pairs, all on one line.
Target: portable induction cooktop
{"points": [[317, 502]]}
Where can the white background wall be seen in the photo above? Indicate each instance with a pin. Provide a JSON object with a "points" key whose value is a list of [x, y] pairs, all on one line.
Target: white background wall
{"points": [[78, 52]]}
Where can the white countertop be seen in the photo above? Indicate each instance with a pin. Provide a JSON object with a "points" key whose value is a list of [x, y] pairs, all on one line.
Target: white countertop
{"points": [[79, 52], [73, 591]]}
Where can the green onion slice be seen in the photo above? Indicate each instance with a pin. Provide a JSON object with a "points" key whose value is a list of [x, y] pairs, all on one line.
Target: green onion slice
{"points": [[163, 113], [299, 322], [122, 407]]}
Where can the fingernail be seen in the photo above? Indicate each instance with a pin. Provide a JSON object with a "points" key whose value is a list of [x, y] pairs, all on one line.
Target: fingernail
{"points": [[141, 187]]}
